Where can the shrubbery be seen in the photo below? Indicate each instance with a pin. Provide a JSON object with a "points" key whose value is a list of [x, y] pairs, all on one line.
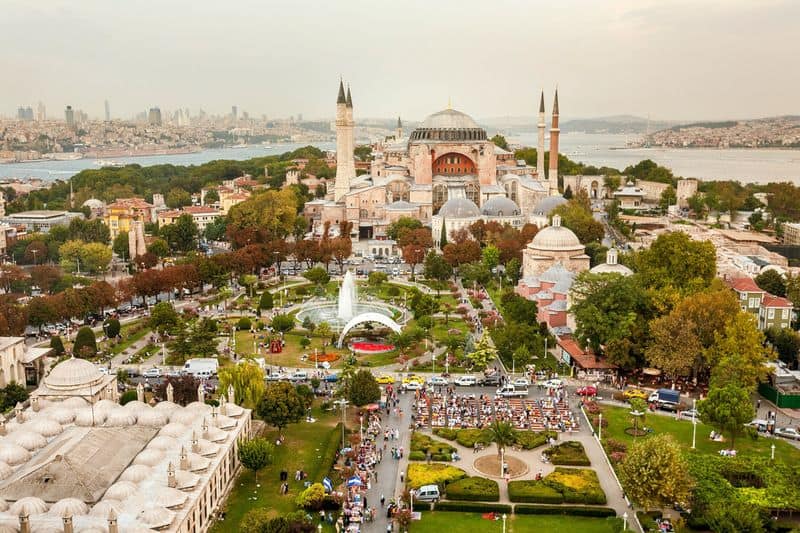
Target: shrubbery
{"points": [[244, 324], [569, 453], [529, 491], [474, 489], [127, 396], [600, 512], [432, 474], [473, 507], [563, 485], [527, 440], [328, 454], [424, 445]]}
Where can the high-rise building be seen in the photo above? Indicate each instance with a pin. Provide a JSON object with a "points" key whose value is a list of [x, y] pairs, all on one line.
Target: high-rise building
{"points": [[41, 112], [299, 117], [234, 112], [69, 116], [108, 112], [24, 113], [154, 116]]}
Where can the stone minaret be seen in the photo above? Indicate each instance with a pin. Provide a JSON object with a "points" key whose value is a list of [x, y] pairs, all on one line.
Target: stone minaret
{"points": [[540, 146], [345, 164], [398, 133], [554, 131], [112, 522]]}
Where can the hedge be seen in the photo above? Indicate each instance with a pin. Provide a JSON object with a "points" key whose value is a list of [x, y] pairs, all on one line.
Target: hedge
{"points": [[432, 474], [528, 491], [416, 456], [440, 451], [473, 507], [476, 489], [328, 454], [600, 512], [570, 453], [528, 440]]}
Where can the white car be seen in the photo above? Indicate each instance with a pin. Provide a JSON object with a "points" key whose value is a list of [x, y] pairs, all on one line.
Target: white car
{"points": [[689, 413], [437, 380], [413, 385], [154, 372], [554, 383], [276, 376], [521, 382], [788, 433], [465, 381]]}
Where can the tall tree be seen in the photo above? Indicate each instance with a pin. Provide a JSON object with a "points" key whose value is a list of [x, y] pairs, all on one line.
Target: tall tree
{"points": [[727, 409], [676, 260], [247, 379], [655, 473], [255, 454], [771, 281], [364, 388], [436, 268], [281, 405], [503, 434], [738, 355]]}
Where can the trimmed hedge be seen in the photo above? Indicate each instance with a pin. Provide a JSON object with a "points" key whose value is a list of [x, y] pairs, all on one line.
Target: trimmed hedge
{"points": [[423, 444], [473, 507], [432, 474], [599, 512], [570, 453], [528, 491], [416, 456], [528, 440], [328, 454], [476, 489]]}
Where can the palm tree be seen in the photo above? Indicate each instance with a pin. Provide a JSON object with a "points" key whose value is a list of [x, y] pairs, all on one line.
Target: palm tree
{"points": [[503, 434]]}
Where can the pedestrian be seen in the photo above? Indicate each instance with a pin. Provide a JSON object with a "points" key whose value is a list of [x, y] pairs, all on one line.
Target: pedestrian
{"points": [[383, 500], [375, 475], [402, 476], [758, 404], [389, 527]]}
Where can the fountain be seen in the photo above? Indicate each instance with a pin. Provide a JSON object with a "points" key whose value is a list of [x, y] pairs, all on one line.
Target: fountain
{"points": [[347, 297]]}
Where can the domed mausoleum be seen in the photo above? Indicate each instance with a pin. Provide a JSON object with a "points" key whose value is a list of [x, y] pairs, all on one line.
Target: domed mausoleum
{"points": [[77, 378], [612, 266], [554, 244]]}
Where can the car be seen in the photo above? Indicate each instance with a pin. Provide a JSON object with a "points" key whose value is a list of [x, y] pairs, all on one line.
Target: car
{"points": [[300, 375], [759, 424], [385, 379], [276, 376], [689, 414], [554, 383], [589, 390], [788, 433], [412, 385], [437, 380], [635, 393], [521, 382], [465, 381], [414, 379], [154, 372], [331, 378], [490, 381]]}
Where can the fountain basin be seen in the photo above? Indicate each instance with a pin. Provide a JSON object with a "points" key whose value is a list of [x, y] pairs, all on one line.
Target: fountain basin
{"points": [[319, 312], [365, 346]]}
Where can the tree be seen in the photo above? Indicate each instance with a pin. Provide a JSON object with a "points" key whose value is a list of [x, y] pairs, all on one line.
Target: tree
{"points": [[341, 248], [638, 406], [436, 268], [324, 331], [422, 304], [182, 234], [317, 275], [282, 323], [85, 345], [443, 235], [312, 497], [727, 409], [57, 345], [264, 217], [483, 354], [521, 357], [111, 327], [513, 270], [568, 192], [281, 405], [377, 278], [363, 389], [158, 247], [177, 198], [35, 252], [164, 318], [500, 141], [394, 229], [597, 253], [265, 303], [45, 277], [577, 215], [738, 355], [786, 343], [255, 454], [307, 251], [518, 309], [490, 256], [460, 253], [95, 257], [655, 473], [668, 198], [11, 395], [215, 230], [674, 259], [10, 274], [184, 389], [771, 281], [697, 204], [503, 434]]}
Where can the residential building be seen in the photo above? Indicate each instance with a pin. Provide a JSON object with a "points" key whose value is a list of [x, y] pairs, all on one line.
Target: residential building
{"points": [[202, 216], [123, 211], [40, 221], [228, 200], [775, 312], [20, 363], [791, 233], [748, 293]]}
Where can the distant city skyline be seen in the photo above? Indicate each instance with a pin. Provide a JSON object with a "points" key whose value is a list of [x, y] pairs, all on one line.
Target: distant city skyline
{"points": [[677, 60]]}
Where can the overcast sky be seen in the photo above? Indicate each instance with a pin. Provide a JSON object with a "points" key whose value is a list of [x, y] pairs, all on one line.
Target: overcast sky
{"points": [[671, 59]]}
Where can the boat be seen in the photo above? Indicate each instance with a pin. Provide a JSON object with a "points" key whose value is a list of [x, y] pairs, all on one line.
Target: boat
{"points": [[109, 163]]}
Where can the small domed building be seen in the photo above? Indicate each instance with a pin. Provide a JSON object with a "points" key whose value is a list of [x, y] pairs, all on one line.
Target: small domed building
{"points": [[80, 378], [554, 244], [611, 266], [457, 213]]}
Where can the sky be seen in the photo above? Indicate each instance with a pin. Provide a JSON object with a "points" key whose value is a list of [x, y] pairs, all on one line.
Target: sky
{"points": [[669, 59]]}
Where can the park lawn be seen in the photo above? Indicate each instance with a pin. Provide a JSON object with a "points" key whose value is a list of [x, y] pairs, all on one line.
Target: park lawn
{"points": [[439, 330], [619, 419], [300, 451], [292, 352], [128, 339], [436, 522]]}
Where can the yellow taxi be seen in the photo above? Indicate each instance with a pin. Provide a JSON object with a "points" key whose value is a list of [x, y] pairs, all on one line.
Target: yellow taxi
{"points": [[635, 393], [413, 379], [385, 379]]}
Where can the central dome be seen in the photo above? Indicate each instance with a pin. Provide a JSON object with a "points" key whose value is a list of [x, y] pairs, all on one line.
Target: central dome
{"points": [[556, 238], [449, 119], [456, 208], [73, 374]]}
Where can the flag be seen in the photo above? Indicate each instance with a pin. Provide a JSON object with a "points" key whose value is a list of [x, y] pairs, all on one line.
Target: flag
{"points": [[326, 482]]}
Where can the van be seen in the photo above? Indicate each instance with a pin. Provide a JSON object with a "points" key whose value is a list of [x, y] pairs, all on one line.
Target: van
{"points": [[201, 367], [465, 381], [428, 493], [300, 375]]}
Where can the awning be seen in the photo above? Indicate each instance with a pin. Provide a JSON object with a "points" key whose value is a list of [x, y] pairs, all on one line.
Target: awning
{"points": [[652, 371]]}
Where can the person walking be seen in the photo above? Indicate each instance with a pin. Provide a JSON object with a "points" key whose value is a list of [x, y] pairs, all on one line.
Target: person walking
{"points": [[383, 500]]}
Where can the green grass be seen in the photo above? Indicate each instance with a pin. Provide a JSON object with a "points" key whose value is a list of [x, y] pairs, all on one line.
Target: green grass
{"points": [[128, 339], [300, 451], [619, 419], [436, 522]]}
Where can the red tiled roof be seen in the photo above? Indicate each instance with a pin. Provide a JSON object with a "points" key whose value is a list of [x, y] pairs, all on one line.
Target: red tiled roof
{"points": [[744, 285], [200, 209], [775, 301], [583, 359]]}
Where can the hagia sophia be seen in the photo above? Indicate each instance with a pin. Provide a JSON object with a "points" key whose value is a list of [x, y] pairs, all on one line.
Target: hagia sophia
{"points": [[446, 172]]}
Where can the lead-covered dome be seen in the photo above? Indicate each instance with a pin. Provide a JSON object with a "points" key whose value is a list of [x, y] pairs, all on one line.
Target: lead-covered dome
{"points": [[500, 206], [73, 374], [459, 208], [556, 238], [449, 125]]}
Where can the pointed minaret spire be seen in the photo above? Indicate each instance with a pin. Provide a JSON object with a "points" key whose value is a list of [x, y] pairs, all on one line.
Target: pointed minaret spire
{"points": [[554, 132], [349, 98], [540, 146], [399, 122], [341, 98], [555, 103], [541, 103]]}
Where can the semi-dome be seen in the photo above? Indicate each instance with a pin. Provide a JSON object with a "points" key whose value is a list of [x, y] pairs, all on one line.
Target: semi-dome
{"points": [[611, 266], [449, 125], [459, 208], [546, 205], [69, 507], [29, 505], [73, 374], [556, 238], [500, 206]]}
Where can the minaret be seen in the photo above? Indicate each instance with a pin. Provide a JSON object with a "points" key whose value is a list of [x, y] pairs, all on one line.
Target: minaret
{"points": [[342, 182], [540, 147], [398, 133], [553, 177], [351, 142]]}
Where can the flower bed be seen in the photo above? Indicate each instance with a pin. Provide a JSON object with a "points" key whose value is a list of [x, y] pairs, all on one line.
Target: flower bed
{"points": [[371, 347], [563, 485], [570, 453], [527, 440], [432, 474], [422, 445], [474, 489], [324, 357]]}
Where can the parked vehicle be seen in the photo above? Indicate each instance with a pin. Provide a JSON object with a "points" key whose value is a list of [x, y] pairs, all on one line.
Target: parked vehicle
{"points": [[759, 424], [667, 399], [437, 380], [521, 382], [276, 376], [412, 385], [427, 493], [154, 372], [465, 381], [589, 390], [300, 375], [201, 367], [788, 433], [492, 380], [635, 393], [510, 391], [331, 378]]}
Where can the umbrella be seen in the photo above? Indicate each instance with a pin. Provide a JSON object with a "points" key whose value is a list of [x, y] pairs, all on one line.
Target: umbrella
{"points": [[652, 371], [354, 481], [372, 407]]}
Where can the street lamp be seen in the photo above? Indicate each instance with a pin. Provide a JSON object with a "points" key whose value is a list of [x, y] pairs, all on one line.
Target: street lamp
{"points": [[694, 422], [343, 404], [504, 522], [772, 450], [625, 521], [600, 426]]}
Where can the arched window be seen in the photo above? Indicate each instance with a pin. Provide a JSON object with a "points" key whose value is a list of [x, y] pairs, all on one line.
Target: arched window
{"points": [[514, 191], [473, 193]]}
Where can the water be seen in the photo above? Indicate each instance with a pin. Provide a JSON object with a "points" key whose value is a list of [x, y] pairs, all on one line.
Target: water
{"points": [[747, 166], [347, 297]]}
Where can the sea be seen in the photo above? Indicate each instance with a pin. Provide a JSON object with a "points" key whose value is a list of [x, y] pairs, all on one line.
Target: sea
{"points": [[744, 165]]}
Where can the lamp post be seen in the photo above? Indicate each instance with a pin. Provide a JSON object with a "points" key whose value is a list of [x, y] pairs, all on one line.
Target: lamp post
{"points": [[600, 426], [625, 521], [694, 422], [504, 522], [411, 499], [772, 452], [343, 404]]}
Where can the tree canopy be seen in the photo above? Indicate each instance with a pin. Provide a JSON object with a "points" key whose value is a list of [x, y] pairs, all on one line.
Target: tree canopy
{"points": [[655, 473], [281, 405]]}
